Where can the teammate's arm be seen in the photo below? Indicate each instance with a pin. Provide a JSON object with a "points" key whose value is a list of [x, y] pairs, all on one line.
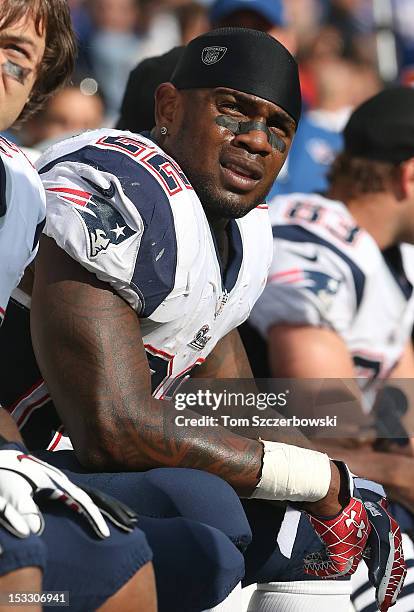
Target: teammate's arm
{"points": [[326, 353], [304, 351], [89, 350], [308, 352]]}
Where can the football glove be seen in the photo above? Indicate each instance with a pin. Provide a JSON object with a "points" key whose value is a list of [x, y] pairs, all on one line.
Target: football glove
{"points": [[118, 513], [363, 529], [344, 537], [23, 477]]}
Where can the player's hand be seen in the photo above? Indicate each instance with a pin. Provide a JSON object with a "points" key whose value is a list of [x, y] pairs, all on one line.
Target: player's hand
{"points": [[384, 555], [344, 537], [380, 537], [23, 476]]}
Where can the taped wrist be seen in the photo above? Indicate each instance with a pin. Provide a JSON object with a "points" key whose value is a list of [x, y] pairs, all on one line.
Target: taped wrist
{"points": [[291, 473]]}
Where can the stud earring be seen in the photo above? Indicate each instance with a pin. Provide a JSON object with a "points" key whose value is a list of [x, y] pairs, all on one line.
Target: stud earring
{"points": [[164, 131]]}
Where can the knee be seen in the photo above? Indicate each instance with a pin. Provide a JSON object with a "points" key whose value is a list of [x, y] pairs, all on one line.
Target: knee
{"points": [[198, 496], [196, 566]]}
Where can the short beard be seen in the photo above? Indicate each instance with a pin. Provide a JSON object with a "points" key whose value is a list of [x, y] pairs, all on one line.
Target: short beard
{"points": [[215, 204], [226, 206]]}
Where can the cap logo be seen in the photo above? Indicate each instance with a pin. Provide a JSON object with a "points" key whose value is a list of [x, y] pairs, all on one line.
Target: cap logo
{"points": [[212, 55]]}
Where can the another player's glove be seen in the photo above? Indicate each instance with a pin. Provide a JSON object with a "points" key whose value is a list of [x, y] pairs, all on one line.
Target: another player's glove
{"points": [[23, 476], [118, 513], [384, 555]]}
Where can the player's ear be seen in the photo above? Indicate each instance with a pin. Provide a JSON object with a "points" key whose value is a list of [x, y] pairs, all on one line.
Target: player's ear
{"points": [[407, 178], [166, 105]]}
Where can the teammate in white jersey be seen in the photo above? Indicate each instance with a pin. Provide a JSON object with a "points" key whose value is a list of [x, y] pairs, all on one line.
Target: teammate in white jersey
{"points": [[22, 214], [339, 300], [148, 268]]}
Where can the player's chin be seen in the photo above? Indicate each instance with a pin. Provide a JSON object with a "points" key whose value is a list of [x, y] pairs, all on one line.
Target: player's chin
{"points": [[234, 205]]}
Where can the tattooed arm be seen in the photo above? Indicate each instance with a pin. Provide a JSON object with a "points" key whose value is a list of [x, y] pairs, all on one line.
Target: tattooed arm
{"points": [[90, 351], [89, 348]]}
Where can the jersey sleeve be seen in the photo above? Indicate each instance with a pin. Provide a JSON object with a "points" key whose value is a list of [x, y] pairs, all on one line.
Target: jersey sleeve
{"points": [[110, 215], [311, 282]]}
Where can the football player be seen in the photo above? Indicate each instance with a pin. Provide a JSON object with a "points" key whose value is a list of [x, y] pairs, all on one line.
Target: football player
{"points": [[149, 264], [339, 300]]}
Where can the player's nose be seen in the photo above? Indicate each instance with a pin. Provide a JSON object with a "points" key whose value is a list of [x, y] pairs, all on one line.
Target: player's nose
{"points": [[256, 141]]}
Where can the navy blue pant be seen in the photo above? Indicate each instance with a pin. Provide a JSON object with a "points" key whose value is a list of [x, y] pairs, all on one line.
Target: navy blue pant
{"points": [[74, 559], [196, 566], [252, 526]]}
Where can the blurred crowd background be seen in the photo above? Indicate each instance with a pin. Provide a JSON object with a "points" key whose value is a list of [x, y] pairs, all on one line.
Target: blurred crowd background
{"points": [[347, 50]]}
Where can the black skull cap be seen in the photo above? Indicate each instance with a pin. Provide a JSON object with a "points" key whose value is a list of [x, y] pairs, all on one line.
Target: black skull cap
{"points": [[382, 128], [245, 60]]}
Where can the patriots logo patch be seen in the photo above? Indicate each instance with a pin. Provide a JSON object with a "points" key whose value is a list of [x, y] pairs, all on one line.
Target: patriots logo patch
{"points": [[319, 283], [105, 225]]}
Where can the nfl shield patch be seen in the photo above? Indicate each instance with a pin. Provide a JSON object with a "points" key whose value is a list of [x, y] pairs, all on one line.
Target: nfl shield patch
{"points": [[212, 55]]}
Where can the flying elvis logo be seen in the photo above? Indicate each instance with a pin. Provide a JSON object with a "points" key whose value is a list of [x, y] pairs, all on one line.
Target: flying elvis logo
{"points": [[104, 224]]}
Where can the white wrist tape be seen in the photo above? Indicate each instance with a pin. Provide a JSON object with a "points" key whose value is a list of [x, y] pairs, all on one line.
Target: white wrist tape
{"points": [[291, 473]]}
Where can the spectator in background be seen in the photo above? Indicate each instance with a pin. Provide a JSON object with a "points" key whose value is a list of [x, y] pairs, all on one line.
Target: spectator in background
{"points": [[265, 15], [354, 20], [339, 86], [193, 20], [68, 112], [404, 27], [83, 26], [305, 20], [114, 46], [159, 28]]}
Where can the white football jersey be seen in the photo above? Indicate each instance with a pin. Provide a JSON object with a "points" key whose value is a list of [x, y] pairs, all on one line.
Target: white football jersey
{"points": [[123, 209], [328, 272], [22, 217]]}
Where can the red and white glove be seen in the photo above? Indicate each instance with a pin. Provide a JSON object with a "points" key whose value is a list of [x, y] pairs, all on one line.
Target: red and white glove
{"points": [[363, 529], [344, 537]]}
